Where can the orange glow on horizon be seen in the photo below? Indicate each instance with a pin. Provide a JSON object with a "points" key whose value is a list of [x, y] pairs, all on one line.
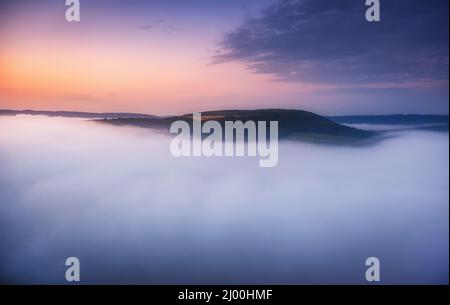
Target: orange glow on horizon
{"points": [[103, 77]]}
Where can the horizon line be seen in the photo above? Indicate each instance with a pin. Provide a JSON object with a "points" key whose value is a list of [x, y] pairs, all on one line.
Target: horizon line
{"points": [[219, 110]]}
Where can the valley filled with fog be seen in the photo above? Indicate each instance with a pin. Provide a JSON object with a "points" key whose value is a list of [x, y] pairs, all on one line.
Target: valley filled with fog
{"points": [[132, 213]]}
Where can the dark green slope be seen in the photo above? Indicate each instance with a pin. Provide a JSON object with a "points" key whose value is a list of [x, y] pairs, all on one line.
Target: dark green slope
{"points": [[293, 124]]}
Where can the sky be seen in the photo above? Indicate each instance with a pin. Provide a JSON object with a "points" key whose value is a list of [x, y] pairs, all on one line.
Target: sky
{"points": [[178, 56]]}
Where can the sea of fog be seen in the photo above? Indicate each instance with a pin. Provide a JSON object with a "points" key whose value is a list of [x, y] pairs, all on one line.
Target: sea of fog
{"points": [[132, 213]]}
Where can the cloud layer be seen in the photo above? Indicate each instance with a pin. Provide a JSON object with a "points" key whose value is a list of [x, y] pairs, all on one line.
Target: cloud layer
{"points": [[116, 199]]}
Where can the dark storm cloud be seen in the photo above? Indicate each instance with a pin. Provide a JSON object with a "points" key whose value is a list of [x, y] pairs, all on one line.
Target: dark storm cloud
{"points": [[331, 42]]}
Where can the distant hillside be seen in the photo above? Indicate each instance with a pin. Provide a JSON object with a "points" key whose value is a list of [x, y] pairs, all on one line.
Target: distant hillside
{"points": [[76, 114], [394, 119], [293, 124]]}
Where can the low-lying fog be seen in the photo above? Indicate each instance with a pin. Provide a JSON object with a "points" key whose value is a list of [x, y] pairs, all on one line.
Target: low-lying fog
{"points": [[116, 198]]}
